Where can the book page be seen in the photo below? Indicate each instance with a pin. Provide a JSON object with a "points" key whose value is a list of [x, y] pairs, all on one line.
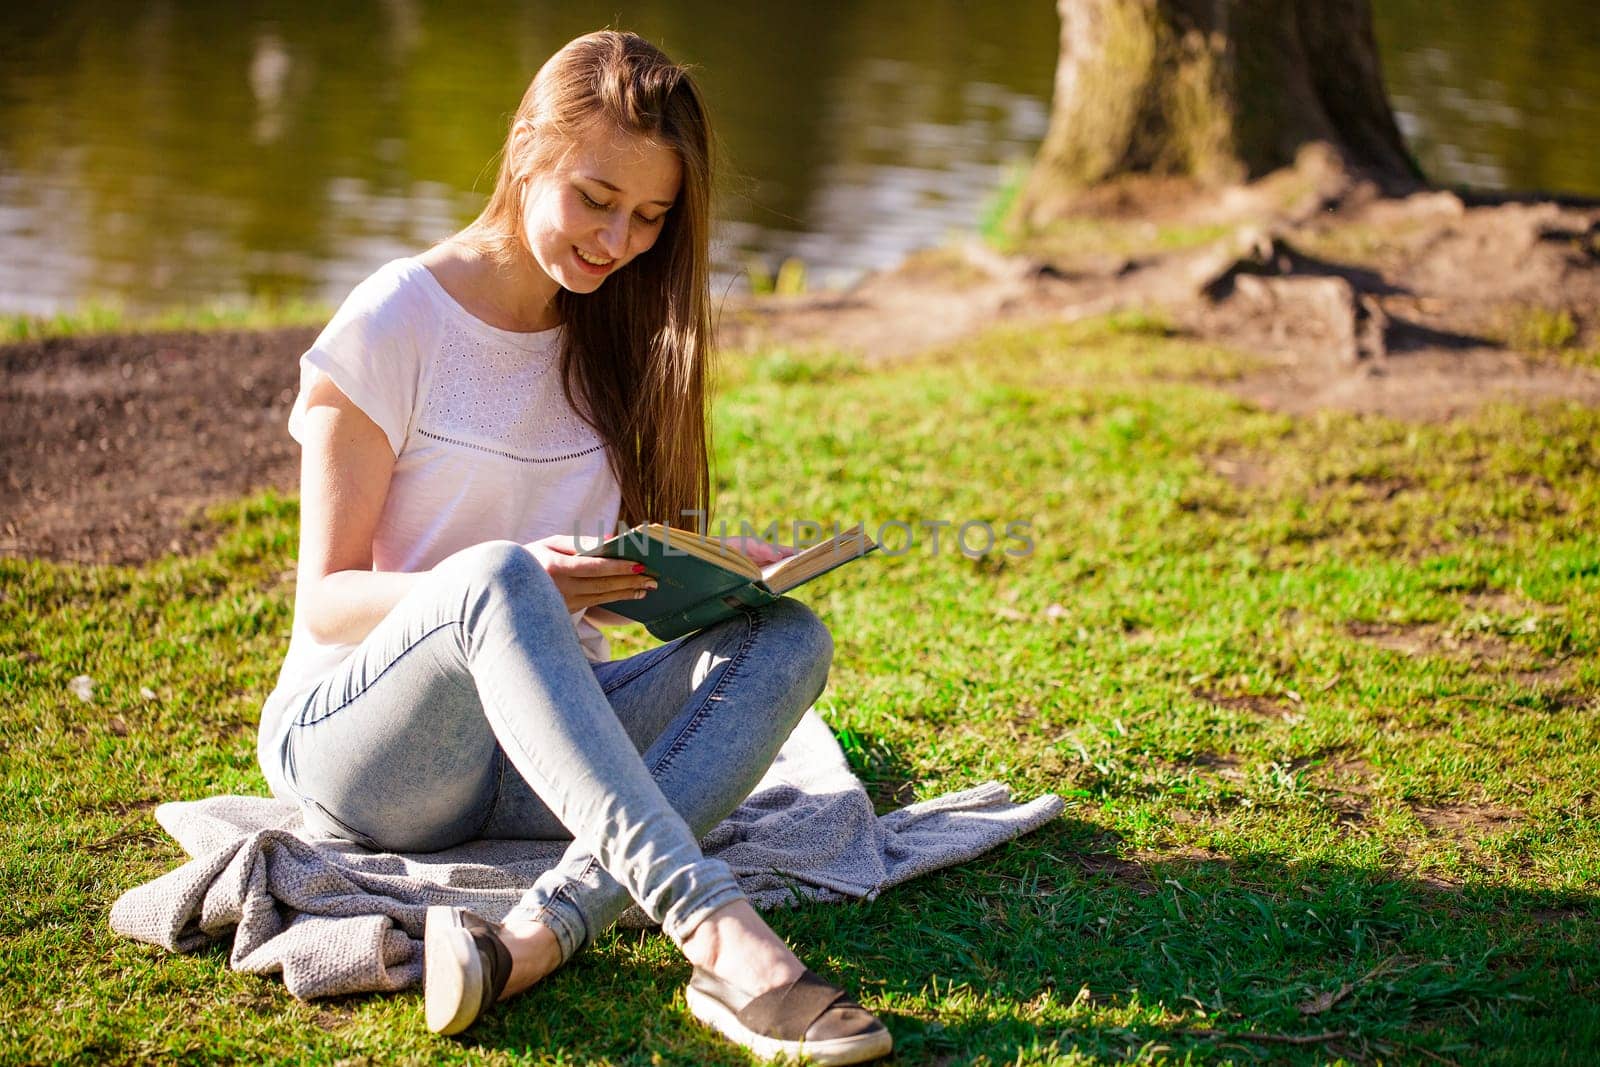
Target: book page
{"points": [[799, 569], [687, 542]]}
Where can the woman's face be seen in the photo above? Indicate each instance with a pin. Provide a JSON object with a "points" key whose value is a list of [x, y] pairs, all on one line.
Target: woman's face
{"points": [[599, 206]]}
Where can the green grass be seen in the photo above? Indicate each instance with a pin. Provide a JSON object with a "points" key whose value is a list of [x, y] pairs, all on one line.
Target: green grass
{"points": [[1322, 694], [1357, 243], [1549, 334], [995, 224], [98, 318], [1070, 238], [1539, 329]]}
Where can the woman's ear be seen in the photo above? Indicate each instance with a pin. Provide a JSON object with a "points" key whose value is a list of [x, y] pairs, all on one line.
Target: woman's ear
{"points": [[522, 141]]}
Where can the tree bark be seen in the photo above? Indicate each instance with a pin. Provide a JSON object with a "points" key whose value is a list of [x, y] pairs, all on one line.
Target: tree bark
{"points": [[1213, 90]]}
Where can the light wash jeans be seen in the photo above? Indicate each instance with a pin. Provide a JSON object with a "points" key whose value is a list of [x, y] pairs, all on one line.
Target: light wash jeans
{"points": [[470, 711]]}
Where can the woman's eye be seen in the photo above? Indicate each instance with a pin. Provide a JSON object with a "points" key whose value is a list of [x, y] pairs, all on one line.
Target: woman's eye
{"points": [[591, 202], [649, 221]]}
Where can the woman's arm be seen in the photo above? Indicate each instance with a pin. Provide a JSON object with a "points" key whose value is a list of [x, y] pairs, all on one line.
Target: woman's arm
{"points": [[345, 467]]}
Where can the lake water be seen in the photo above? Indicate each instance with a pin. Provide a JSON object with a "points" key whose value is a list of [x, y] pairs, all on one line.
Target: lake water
{"points": [[173, 152]]}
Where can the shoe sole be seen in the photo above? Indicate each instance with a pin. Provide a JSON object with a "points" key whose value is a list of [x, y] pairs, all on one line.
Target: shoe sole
{"points": [[839, 1050], [452, 972]]}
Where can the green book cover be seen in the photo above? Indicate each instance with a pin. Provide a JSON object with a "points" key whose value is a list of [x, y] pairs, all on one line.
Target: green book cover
{"points": [[700, 581]]}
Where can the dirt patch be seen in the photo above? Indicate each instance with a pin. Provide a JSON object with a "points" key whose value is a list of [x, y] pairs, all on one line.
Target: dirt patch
{"points": [[1551, 680], [111, 446], [1553, 916], [122, 842], [1480, 647], [1145, 871], [1347, 775], [1242, 472], [1256, 704], [1347, 787], [119, 807], [1499, 602], [1428, 639], [1129, 872], [334, 1016], [912, 309], [1224, 764], [1467, 822]]}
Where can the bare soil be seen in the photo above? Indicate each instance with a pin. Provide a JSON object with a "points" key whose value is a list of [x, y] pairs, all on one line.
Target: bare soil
{"points": [[112, 446]]}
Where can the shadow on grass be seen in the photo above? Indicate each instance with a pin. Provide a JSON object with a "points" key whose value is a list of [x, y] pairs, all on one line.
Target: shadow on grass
{"points": [[1068, 940], [1071, 939], [889, 777]]}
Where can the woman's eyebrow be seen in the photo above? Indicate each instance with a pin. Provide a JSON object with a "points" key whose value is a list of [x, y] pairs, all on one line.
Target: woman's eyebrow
{"points": [[616, 189]]}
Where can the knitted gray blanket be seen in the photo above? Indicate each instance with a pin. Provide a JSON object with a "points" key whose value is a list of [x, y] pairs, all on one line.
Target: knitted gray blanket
{"points": [[335, 918]]}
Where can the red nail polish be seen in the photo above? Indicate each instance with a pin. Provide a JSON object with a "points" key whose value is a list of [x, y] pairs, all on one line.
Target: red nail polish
{"points": [[638, 568]]}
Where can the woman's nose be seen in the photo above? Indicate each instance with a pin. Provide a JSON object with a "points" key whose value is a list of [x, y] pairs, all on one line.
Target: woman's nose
{"points": [[614, 237]]}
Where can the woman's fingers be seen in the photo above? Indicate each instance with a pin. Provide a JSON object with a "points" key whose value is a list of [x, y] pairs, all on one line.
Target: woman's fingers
{"points": [[616, 589], [589, 594], [585, 581], [583, 586], [561, 564], [599, 567]]}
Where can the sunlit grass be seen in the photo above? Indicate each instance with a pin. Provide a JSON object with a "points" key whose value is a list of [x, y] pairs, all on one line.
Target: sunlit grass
{"points": [[1539, 329], [995, 224], [100, 318], [1069, 238], [1322, 694]]}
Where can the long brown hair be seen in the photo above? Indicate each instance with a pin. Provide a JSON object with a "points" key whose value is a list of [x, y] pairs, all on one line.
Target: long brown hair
{"points": [[635, 356]]}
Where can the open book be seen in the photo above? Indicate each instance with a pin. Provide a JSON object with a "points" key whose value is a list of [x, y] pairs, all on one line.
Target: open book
{"points": [[701, 581]]}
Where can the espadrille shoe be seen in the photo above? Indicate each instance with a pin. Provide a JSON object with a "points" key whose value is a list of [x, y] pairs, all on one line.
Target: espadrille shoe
{"points": [[808, 1017], [464, 968]]}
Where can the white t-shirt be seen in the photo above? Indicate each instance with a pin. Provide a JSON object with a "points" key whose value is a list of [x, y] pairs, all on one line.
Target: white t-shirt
{"points": [[486, 446]]}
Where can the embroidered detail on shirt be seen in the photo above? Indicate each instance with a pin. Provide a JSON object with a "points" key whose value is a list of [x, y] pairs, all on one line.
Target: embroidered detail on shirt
{"points": [[508, 455], [505, 394]]}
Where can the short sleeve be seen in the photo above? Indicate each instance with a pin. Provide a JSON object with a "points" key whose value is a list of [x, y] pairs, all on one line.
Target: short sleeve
{"points": [[373, 351]]}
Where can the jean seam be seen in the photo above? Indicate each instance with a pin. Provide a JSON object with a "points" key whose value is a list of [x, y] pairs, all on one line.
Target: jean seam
{"points": [[753, 622], [359, 837], [499, 784], [412, 646]]}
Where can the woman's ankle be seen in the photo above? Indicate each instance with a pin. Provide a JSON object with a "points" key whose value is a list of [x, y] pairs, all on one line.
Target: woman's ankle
{"points": [[535, 952], [737, 946]]}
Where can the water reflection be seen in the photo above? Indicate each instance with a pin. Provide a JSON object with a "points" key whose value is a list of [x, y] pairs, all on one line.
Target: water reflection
{"points": [[172, 151], [177, 151], [1497, 96]]}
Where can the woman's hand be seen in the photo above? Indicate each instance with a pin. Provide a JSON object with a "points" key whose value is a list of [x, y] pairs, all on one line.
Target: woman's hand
{"points": [[760, 552], [585, 581]]}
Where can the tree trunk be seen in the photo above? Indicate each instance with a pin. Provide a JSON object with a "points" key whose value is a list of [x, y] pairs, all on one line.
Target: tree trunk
{"points": [[1214, 90]]}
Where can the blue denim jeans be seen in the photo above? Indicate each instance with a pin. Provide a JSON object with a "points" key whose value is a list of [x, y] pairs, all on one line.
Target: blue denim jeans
{"points": [[470, 711]]}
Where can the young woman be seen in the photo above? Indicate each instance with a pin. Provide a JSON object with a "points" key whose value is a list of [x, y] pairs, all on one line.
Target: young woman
{"points": [[465, 413]]}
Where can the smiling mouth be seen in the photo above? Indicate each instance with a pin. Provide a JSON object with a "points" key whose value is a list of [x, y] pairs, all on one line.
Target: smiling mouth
{"points": [[600, 262]]}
